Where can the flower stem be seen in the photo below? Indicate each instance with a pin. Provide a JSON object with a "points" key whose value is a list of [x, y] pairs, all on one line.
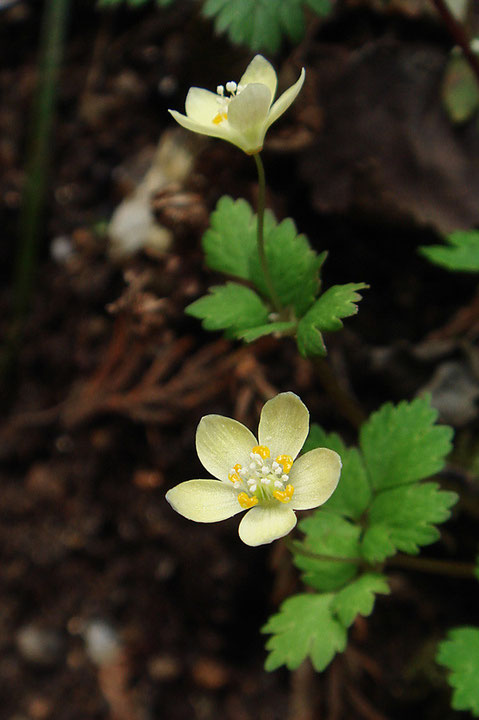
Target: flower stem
{"points": [[260, 233]]}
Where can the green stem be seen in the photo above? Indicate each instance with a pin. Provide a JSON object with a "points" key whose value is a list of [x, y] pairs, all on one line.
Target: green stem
{"points": [[38, 156], [431, 565], [448, 568], [260, 233]]}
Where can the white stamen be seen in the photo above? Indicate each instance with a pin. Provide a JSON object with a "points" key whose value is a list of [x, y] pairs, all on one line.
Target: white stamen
{"points": [[265, 481], [275, 465], [251, 481], [265, 470], [284, 478], [252, 466], [243, 472], [278, 484], [278, 471], [220, 90], [231, 86], [252, 487]]}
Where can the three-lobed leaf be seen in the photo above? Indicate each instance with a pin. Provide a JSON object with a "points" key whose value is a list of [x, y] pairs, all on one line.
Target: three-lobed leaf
{"points": [[460, 253], [326, 315], [261, 24], [304, 627], [460, 654]]}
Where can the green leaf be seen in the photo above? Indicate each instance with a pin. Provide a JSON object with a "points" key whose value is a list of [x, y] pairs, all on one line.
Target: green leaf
{"points": [[353, 494], [304, 627], [403, 519], [257, 332], [229, 306], [358, 597], [260, 24], [230, 242], [328, 534], [460, 93], [293, 266], [460, 654], [376, 544], [401, 444], [461, 252], [325, 315]]}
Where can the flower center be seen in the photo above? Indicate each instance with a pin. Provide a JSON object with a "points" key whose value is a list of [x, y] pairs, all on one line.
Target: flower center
{"points": [[223, 101], [263, 480]]}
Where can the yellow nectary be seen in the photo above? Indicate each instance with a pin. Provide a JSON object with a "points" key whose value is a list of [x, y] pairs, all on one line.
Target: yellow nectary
{"points": [[242, 114], [249, 479]]}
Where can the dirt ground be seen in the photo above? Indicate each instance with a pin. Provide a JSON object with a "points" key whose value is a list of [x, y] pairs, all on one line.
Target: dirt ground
{"points": [[112, 606]]}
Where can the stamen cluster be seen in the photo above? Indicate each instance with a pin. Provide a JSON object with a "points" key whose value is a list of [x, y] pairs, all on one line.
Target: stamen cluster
{"points": [[223, 101], [262, 479]]}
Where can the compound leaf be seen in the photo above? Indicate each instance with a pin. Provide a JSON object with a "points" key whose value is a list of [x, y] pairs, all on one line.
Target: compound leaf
{"points": [[304, 627], [401, 444], [461, 253], [358, 597], [460, 654], [229, 307]]}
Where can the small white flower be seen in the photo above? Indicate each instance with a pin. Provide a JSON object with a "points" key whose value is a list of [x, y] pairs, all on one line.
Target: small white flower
{"points": [[243, 118], [224, 446]]}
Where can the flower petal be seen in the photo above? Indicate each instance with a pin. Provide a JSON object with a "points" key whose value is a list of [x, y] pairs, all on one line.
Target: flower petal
{"points": [[201, 105], [260, 71], [221, 443], [285, 100], [204, 500], [249, 109], [262, 524], [222, 131], [284, 425], [314, 477]]}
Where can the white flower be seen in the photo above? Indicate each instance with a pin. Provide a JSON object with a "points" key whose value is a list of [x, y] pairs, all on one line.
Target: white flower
{"points": [[261, 476], [244, 117]]}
